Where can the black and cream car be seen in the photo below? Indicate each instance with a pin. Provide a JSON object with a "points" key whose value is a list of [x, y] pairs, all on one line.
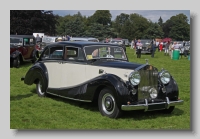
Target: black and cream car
{"points": [[100, 72]]}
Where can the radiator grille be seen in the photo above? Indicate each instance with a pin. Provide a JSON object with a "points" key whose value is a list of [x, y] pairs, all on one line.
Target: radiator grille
{"points": [[149, 79]]}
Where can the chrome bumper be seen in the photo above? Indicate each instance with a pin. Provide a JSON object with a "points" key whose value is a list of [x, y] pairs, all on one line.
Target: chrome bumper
{"points": [[146, 106]]}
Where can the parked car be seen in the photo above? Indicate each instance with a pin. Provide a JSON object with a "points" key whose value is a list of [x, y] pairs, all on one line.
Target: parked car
{"points": [[22, 48], [119, 42], [101, 73], [90, 39], [146, 46], [127, 43], [46, 41]]}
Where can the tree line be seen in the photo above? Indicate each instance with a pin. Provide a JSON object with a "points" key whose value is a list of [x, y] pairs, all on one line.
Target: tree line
{"points": [[99, 25]]}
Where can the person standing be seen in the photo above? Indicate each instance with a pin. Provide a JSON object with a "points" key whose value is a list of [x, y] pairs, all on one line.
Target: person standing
{"points": [[170, 49], [106, 40], [139, 48], [161, 46], [157, 45], [153, 48], [183, 43], [132, 44], [135, 42], [38, 39], [167, 48], [68, 38]]}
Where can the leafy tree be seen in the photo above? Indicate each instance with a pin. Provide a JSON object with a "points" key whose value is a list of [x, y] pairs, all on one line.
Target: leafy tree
{"points": [[160, 21], [120, 21], [154, 31], [101, 17], [30, 21], [139, 25], [75, 27], [177, 27]]}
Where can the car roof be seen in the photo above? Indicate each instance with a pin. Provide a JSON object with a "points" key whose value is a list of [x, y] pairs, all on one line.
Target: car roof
{"points": [[80, 43], [22, 36]]}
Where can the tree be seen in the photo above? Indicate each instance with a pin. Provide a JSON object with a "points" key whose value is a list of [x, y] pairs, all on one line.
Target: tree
{"points": [[154, 31], [120, 21], [102, 17], [139, 25], [160, 21], [177, 27], [30, 21]]}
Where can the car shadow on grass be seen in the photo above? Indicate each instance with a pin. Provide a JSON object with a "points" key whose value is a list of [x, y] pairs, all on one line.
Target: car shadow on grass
{"points": [[141, 115], [86, 105], [19, 97], [136, 114]]}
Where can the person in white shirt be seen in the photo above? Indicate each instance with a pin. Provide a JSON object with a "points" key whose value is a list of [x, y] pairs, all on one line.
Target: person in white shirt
{"points": [[132, 44], [157, 44], [139, 48]]}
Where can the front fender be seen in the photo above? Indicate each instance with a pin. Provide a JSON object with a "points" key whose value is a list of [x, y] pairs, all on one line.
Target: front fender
{"points": [[172, 90], [15, 54], [37, 72], [110, 81]]}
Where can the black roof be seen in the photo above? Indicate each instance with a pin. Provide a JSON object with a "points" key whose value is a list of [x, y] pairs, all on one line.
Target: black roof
{"points": [[81, 43], [22, 36]]}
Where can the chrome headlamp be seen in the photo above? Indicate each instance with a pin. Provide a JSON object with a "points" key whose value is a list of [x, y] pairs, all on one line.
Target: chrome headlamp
{"points": [[164, 76], [134, 78], [153, 93]]}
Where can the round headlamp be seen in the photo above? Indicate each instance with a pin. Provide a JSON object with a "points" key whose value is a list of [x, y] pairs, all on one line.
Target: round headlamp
{"points": [[134, 78], [153, 93], [164, 77]]}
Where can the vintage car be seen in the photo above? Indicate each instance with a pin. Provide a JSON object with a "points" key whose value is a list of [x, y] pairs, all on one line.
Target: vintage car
{"points": [[22, 48], [101, 72], [90, 39], [119, 42], [146, 46], [46, 40], [127, 43]]}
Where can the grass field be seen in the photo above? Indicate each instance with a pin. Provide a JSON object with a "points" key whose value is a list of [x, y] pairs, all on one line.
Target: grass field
{"points": [[28, 111]]}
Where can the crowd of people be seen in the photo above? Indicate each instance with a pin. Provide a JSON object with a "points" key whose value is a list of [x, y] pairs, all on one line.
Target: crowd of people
{"points": [[169, 47]]}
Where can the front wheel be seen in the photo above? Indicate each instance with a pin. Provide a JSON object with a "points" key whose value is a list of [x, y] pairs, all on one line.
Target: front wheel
{"points": [[107, 104], [39, 86], [16, 62]]}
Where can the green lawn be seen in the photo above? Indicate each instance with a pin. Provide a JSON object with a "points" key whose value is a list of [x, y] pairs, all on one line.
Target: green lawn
{"points": [[28, 111]]}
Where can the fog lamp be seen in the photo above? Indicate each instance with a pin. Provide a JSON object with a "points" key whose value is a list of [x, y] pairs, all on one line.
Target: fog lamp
{"points": [[153, 93]]}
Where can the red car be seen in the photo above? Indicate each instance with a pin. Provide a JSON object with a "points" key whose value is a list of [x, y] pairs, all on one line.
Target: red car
{"points": [[22, 48]]}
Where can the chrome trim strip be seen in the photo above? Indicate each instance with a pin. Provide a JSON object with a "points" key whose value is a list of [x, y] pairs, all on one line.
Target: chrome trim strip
{"points": [[70, 98], [145, 106]]}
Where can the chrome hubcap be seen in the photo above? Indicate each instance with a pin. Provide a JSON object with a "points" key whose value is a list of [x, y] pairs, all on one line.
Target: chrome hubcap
{"points": [[39, 88], [108, 103]]}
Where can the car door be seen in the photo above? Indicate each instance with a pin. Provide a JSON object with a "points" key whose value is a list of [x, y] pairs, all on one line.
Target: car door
{"points": [[28, 48], [73, 68], [52, 58]]}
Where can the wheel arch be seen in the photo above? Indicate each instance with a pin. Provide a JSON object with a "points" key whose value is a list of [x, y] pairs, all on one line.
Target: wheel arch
{"points": [[35, 73], [113, 83]]}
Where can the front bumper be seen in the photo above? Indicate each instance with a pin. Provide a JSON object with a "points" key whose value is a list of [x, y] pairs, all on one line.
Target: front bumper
{"points": [[152, 106]]}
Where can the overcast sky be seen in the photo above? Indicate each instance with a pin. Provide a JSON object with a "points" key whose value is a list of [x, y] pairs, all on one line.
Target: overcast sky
{"points": [[153, 15]]}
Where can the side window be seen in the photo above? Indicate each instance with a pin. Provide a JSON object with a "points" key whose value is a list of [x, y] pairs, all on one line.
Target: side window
{"points": [[72, 53], [45, 54], [26, 41], [56, 52], [53, 53]]}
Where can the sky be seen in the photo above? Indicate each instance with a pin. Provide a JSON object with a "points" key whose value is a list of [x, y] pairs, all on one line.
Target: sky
{"points": [[153, 15]]}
